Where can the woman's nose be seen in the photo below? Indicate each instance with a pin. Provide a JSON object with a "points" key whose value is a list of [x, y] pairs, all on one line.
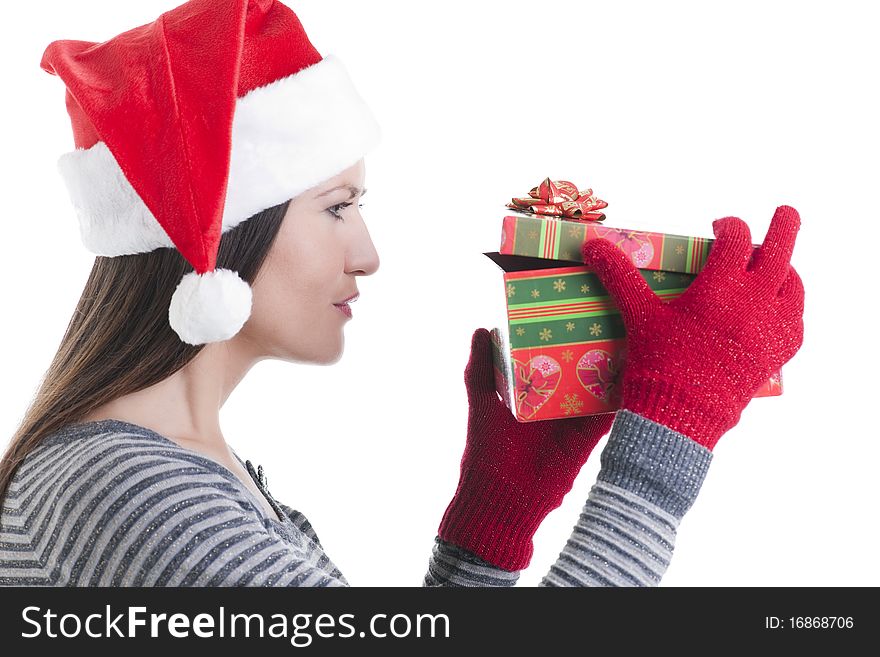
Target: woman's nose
{"points": [[364, 257]]}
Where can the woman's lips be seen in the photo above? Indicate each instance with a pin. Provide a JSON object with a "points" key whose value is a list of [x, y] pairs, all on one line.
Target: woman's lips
{"points": [[344, 305]]}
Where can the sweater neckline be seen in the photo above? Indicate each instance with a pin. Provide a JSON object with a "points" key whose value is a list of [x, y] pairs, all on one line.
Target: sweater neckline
{"points": [[81, 429]]}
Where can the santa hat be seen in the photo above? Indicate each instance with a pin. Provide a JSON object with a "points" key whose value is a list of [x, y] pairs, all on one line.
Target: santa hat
{"points": [[189, 125]]}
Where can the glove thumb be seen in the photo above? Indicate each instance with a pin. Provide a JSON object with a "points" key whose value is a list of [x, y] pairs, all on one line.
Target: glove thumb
{"points": [[479, 377]]}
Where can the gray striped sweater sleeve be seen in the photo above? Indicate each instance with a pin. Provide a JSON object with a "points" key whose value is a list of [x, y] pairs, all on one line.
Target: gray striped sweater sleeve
{"points": [[650, 477], [113, 504]]}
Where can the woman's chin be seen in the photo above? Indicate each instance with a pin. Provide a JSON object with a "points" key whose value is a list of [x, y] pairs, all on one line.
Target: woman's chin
{"points": [[333, 357]]}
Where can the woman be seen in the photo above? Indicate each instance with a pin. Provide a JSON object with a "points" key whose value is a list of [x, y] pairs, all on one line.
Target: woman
{"points": [[225, 222]]}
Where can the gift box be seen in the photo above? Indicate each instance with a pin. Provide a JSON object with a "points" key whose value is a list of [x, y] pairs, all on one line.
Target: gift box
{"points": [[558, 342]]}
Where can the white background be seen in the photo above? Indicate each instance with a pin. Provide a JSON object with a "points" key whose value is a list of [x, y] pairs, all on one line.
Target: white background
{"points": [[674, 113]]}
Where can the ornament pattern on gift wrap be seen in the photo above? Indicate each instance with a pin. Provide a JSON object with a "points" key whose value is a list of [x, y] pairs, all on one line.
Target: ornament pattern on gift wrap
{"points": [[597, 371], [535, 382], [633, 243]]}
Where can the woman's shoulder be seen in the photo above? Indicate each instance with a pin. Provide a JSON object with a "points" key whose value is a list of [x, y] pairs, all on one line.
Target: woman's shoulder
{"points": [[114, 458], [110, 503], [85, 434]]}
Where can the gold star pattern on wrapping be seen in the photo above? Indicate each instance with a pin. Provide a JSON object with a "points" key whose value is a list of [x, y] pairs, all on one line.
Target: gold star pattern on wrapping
{"points": [[572, 404], [511, 290], [596, 329], [566, 255], [545, 334], [684, 280], [569, 326], [536, 293], [559, 285], [575, 233], [679, 250], [659, 276], [585, 289], [533, 234], [568, 355], [520, 331]]}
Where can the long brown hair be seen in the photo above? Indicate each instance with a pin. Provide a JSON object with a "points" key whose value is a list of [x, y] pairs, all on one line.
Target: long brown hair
{"points": [[119, 340]]}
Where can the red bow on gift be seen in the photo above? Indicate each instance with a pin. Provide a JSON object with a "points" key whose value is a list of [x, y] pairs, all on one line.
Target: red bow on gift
{"points": [[560, 198]]}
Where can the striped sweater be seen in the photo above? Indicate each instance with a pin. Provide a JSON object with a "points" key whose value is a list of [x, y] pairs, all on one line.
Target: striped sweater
{"points": [[110, 503]]}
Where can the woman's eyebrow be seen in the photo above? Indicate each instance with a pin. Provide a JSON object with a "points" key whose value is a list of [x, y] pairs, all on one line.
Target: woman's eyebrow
{"points": [[353, 191]]}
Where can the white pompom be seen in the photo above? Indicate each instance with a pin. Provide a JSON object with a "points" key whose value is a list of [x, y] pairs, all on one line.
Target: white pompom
{"points": [[209, 307]]}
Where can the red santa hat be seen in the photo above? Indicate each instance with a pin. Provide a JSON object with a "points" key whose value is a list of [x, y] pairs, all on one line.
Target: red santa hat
{"points": [[189, 125]]}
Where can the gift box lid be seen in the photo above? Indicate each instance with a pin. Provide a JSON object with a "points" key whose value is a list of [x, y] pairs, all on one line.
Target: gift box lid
{"points": [[555, 238]]}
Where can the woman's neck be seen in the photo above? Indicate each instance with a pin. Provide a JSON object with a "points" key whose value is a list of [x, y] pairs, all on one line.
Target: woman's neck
{"points": [[185, 407]]}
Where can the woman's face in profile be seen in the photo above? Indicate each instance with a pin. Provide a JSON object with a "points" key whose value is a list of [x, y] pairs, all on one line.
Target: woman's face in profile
{"points": [[312, 265]]}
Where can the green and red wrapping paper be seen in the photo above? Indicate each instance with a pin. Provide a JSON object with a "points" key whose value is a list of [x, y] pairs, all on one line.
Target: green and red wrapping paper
{"points": [[561, 347]]}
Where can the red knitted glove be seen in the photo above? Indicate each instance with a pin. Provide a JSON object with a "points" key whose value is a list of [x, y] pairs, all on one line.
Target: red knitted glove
{"points": [[512, 473], [695, 362]]}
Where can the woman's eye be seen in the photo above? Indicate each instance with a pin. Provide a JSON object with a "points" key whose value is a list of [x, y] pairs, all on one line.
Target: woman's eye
{"points": [[335, 210]]}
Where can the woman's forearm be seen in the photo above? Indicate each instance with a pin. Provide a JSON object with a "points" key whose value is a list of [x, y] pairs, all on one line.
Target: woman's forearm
{"points": [[625, 534]]}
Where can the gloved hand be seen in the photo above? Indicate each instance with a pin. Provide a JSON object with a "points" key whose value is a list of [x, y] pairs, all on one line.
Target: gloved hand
{"points": [[695, 362], [512, 473]]}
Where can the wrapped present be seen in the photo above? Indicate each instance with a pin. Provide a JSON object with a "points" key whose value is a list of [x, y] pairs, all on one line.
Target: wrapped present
{"points": [[560, 339]]}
